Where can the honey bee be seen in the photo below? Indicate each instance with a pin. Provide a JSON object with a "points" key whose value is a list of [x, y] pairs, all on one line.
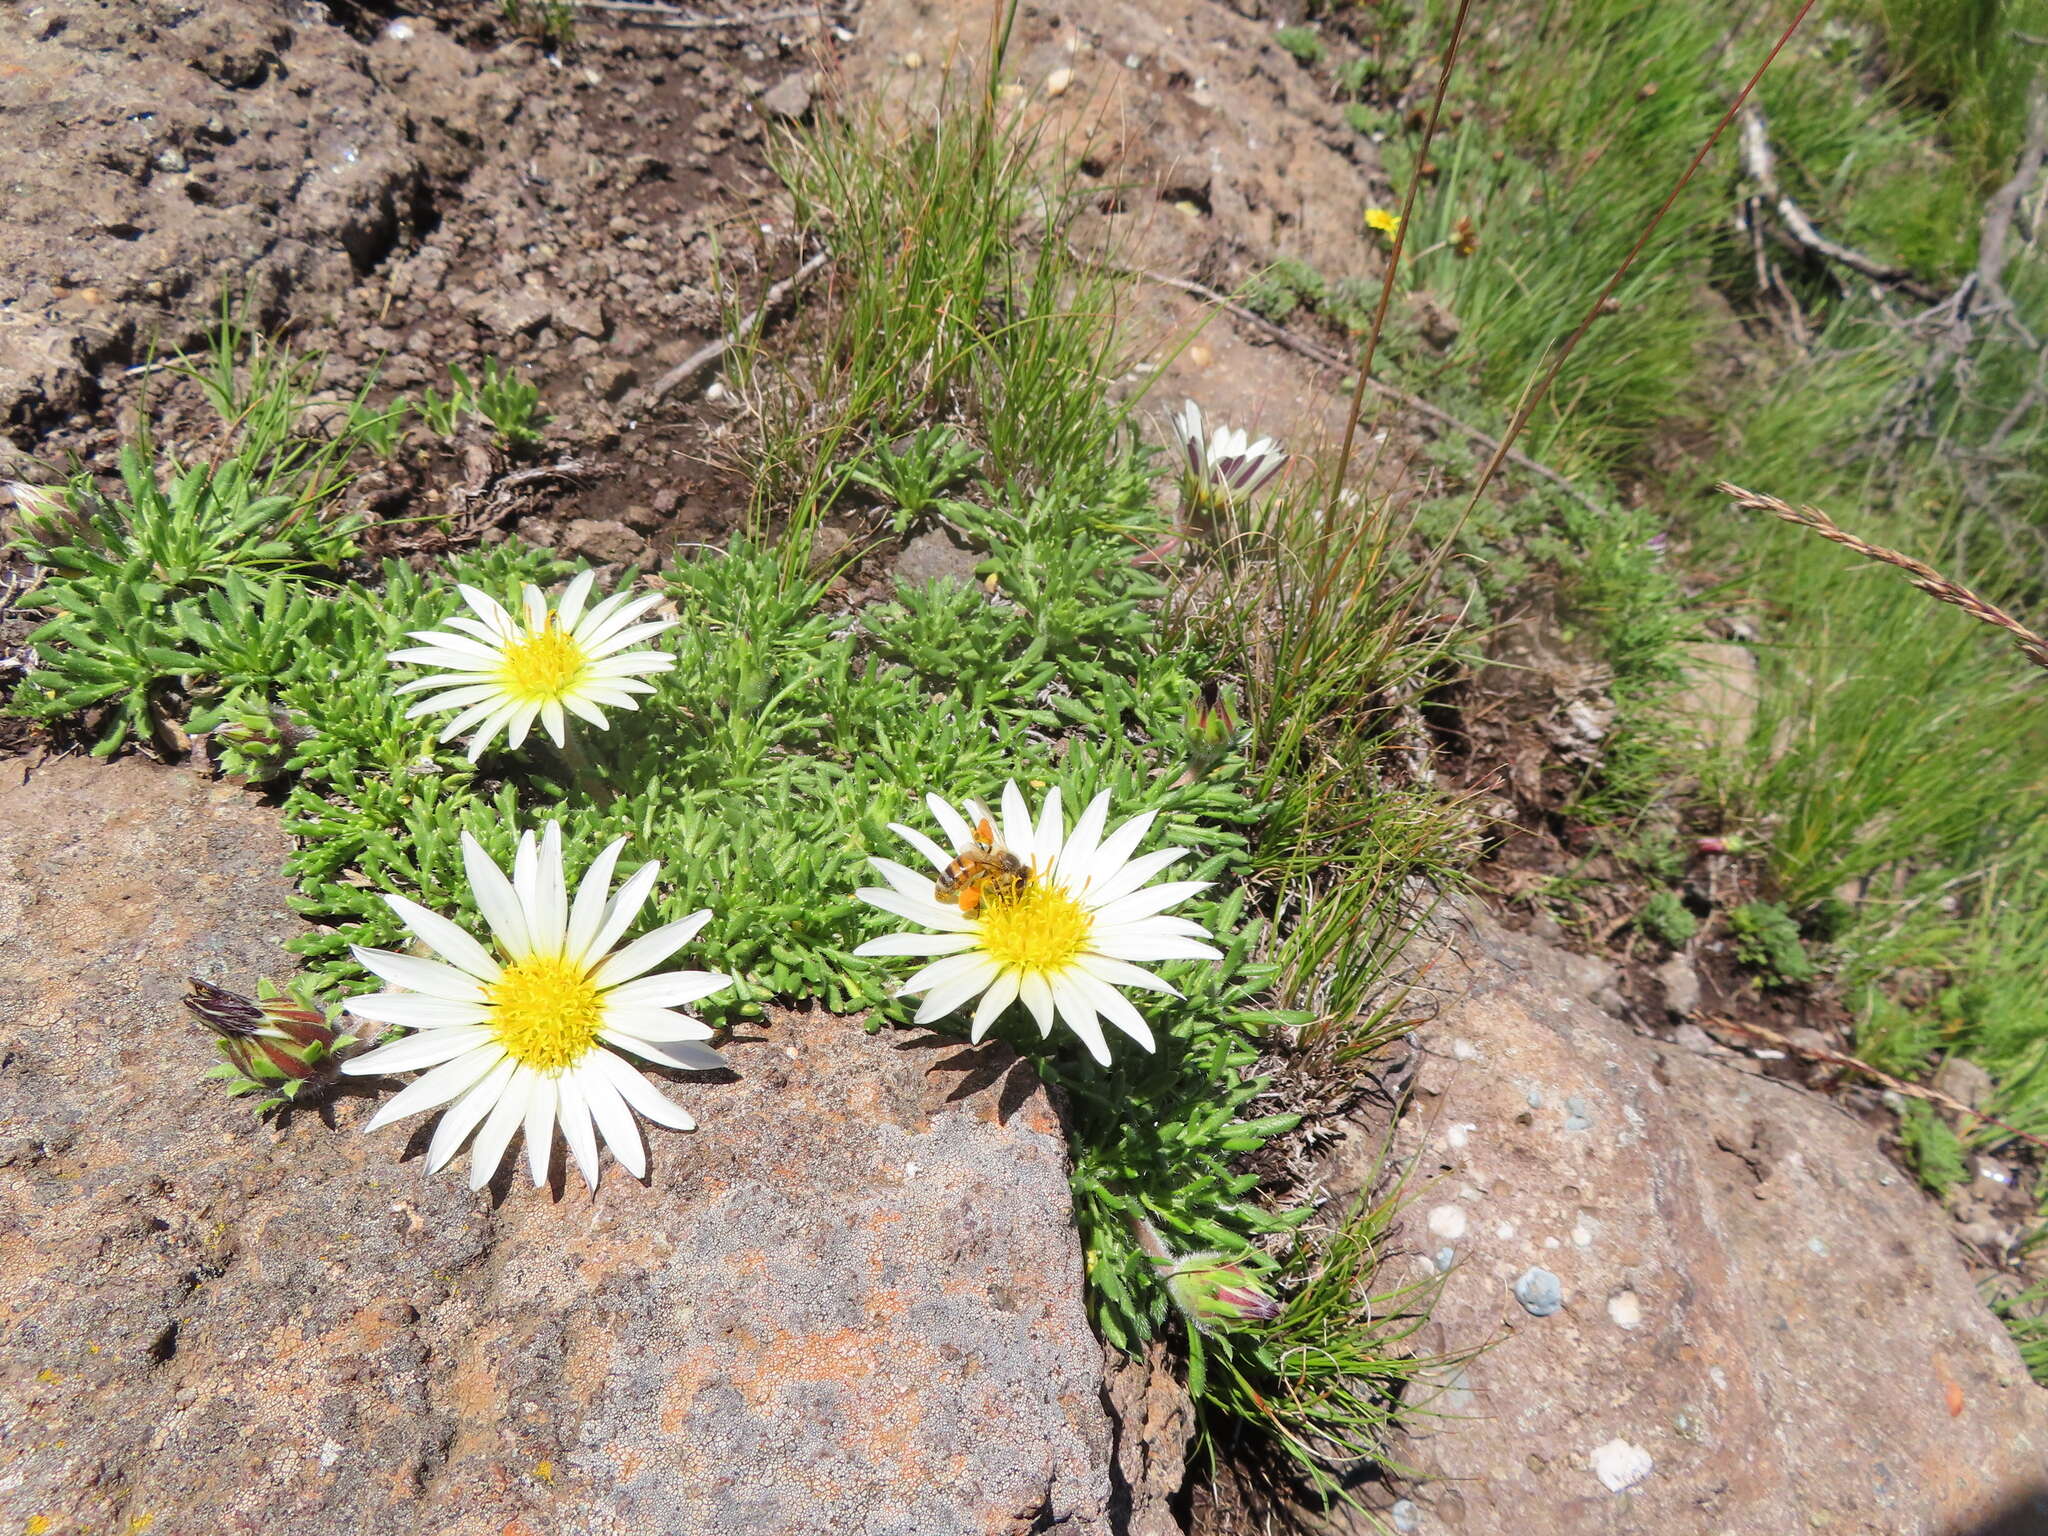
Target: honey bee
{"points": [[983, 868]]}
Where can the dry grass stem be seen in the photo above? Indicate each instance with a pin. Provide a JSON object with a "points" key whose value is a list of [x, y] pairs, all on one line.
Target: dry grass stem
{"points": [[1925, 577]]}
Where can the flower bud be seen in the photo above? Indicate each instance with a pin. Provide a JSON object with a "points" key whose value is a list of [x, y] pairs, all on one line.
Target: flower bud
{"points": [[1211, 727], [271, 1045], [1211, 1290]]}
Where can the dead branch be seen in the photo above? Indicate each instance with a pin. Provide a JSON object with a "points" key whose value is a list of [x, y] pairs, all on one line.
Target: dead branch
{"points": [[1925, 576], [1896, 1085], [1329, 358], [673, 18], [1760, 161], [700, 362]]}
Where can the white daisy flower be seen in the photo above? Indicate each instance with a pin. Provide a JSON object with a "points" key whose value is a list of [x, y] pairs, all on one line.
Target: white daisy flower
{"points": [[503, 672], [523, 1041], [1228, 467], [1062, 938]]}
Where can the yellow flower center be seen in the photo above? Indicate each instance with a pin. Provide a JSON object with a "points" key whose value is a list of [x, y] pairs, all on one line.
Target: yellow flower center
{"points": [[543, 666], [1038, 928], [545, 1012]]}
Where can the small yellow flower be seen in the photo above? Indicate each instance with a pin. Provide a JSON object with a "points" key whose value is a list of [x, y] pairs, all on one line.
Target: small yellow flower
{"points": [[1388, 224]]}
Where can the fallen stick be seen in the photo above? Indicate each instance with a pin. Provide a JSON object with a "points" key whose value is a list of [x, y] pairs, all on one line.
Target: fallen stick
{"points": [[1896, 1085], [704, 357], [1316, 352], [669, 18], [1761, 162]]}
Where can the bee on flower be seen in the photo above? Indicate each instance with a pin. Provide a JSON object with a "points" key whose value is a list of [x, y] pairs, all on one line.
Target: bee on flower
{"points": [[1223, 469], [531, 1037], [1032, 912], [502, 673]]}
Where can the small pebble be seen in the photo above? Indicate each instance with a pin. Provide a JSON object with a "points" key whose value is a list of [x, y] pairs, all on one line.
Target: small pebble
{"points": [[1058, 81], [1406, 1516], [1464, 1050], [1817, 1246], [1448, 1222], [1540, 1292], [1582, 1237], [1445, 1258], [1620, 1466], [1578, 1114], [1459, 1134], [1535, 1098], [1625, 1309], [1504, 1231]]}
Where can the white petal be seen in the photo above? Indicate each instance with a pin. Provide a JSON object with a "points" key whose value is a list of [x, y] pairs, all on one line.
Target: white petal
{"points": [[638, 1092], [958, 833], [1112, 1005], [620, 641], [573, 1115], [567, 612], [1117, 973], [420, 975], [917, 944], [950, 968], [1111, 885], [489, 609], [477, 649], [448, 657], [429, 1048], [591, 897], [1119, 846], [1149, 902], [1018, 832], [613, 1119], [496, 899], [926, 911], [1036, 996], [411, 1010], [547, 904], [671, 989], [623, 908], [932, 851], [445, 939], [616, 613], [449, 1080], [657, 1025], [488, 1150], [1000, 994], [520, 723], [534, 605], [461, 697], [908, 881], [1052, 829], [554, 722], [949, 993], [650, 949], [690, 1055], [463, 1116], [1077, 855], [583, 709], [1147, 947], [1079, 1012], [540, 1128], [482, 632]]}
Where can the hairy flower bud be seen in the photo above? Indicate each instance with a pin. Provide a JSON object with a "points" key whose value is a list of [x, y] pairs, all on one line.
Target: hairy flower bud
{"points": [[270, 1044], [1211, 1290], [1212, 728]]}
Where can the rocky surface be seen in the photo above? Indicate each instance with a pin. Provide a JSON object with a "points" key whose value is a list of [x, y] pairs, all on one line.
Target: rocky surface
{"points": [[1712, 1305], [846, 1303]]}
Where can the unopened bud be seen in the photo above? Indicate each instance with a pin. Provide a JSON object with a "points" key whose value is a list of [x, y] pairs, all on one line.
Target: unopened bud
{"points": [[270, 1045], [1212, 1290], [1211, 727]]}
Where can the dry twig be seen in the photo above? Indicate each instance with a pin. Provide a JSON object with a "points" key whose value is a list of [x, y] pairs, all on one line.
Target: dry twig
{"points": [[1761, 162], [673, 18], [700, 361], [1925, 576], [1896, 1085]]}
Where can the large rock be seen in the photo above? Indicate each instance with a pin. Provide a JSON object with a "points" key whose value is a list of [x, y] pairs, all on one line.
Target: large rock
{"points": [[1764, 1328], [846, 1303]]}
